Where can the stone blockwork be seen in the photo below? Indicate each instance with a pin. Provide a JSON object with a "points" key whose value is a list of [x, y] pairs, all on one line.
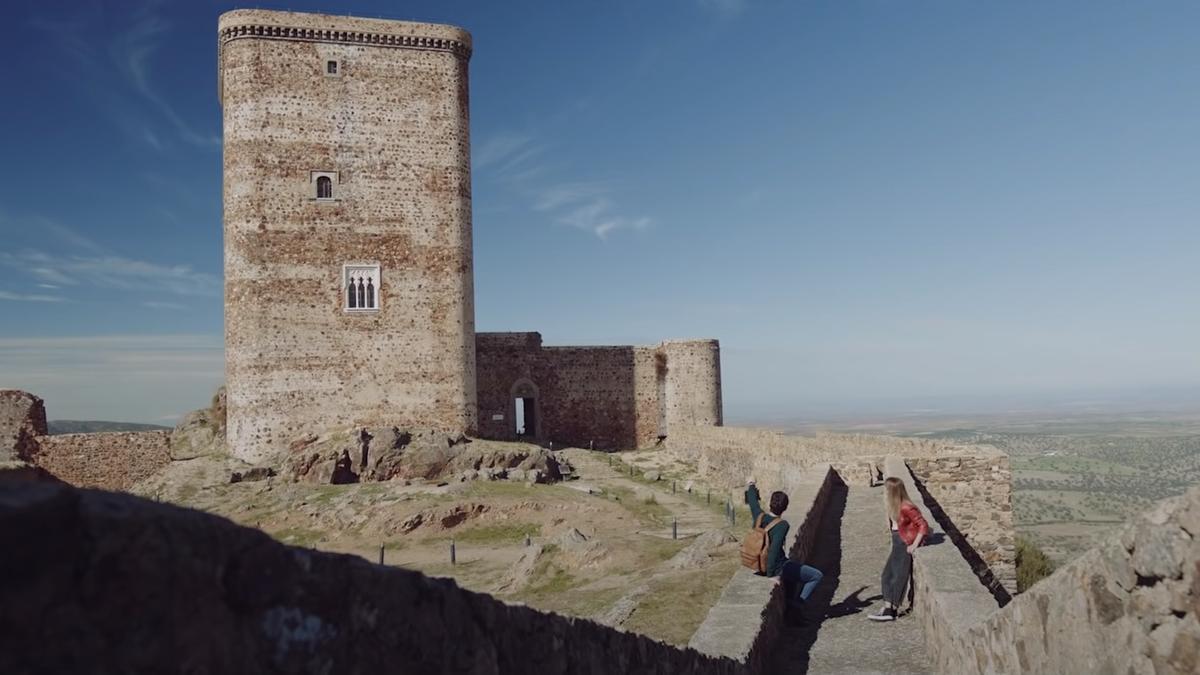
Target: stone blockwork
{"points": [[22, 420], [88, 591], [381, 108], [110, 461], [746, 621], [1130, 605], [973, 483], [604, 397], [975, 493]]}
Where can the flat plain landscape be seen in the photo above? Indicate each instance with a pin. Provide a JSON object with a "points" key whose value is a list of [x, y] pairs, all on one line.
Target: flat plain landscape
{"points": [[1075, 475]]}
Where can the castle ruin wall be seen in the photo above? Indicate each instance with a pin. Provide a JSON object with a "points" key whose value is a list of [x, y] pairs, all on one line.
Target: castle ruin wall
{"points": [[607, 397], [105, 460]]}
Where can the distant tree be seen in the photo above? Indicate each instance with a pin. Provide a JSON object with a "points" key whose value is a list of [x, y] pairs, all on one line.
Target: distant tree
{"points": [[1032, 564]]}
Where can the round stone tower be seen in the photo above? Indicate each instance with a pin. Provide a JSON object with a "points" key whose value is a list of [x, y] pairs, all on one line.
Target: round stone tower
{"points": [[692, 384], [347, 223]]}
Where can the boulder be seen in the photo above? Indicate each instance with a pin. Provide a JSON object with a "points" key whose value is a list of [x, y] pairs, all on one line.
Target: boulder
{"points": [[652, 475], [22, 420]]}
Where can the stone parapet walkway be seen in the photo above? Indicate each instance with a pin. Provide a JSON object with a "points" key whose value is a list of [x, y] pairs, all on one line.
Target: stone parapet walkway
{"points": [[851, 549]]}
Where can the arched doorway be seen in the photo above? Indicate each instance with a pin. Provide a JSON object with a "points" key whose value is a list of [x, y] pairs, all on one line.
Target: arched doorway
{"points": [[525, 410]]}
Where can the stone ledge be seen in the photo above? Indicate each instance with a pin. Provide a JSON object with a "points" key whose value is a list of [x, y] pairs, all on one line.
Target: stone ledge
{"points": [[746, 620]]}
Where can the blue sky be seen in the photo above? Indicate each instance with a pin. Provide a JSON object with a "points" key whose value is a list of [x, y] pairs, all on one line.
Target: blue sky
{"points": [[872, 204]]}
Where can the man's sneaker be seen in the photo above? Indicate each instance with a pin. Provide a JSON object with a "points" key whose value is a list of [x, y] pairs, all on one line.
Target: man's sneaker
{"points": [[885, 614]]}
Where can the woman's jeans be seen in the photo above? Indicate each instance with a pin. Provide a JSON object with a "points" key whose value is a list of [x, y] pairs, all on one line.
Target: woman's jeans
{"points": [[800, 581], [897, 571]]}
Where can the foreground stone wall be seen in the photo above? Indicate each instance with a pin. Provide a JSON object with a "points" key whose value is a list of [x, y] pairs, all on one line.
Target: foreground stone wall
{"points": [[390, 128], [1130, 605], [616, 397], [972, 483], [110, 461], [88, 591]]}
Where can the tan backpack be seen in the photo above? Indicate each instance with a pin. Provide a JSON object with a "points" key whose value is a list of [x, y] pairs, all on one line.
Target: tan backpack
{"points": [[757, 545]]}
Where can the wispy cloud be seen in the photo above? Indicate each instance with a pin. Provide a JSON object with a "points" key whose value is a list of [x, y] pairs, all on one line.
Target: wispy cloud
{"points": [[588, 205], [87, 263], [506, 149], [130, 52], [27, 297]]}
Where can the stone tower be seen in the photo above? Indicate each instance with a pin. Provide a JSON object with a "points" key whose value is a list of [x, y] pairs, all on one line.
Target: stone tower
{"points": [[691, 385], [347, 224]]}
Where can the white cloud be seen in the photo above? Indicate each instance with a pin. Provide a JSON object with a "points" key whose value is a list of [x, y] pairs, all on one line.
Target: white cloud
{"points": [[24, 297], [507, 148], [117, 272], [96, 266]]}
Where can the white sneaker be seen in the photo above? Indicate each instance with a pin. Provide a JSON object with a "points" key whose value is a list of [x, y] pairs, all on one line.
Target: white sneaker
{"points": [[885, 614]]}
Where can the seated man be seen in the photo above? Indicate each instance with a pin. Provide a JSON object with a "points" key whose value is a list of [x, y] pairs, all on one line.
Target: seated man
{"points": [[800, 579]]}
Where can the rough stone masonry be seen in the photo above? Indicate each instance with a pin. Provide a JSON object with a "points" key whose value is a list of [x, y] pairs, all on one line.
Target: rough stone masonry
{"points": [[349, 283]]}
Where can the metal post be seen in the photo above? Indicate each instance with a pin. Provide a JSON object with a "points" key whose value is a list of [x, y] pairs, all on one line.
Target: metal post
{"points": [[591, 445], [527, 541], [674, 528], [672, 487], [453, 557], [381, 554], [708, 496]]}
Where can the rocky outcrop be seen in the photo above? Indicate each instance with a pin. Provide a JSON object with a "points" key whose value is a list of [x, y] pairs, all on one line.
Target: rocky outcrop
{"points": [[197, 435], [94, 586], [22, 420], [389, 453]]}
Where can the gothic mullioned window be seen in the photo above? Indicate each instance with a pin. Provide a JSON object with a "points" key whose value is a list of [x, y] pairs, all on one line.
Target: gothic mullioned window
{"points": [[360, 287]]}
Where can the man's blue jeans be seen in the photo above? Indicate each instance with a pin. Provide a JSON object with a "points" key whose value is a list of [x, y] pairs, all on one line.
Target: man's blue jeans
{"points": [[800, 580]]}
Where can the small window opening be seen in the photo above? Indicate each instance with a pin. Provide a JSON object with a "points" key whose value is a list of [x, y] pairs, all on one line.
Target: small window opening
{"points": [[324, 187], [331, 68], [351, 295], [362, 294], [370, 294]]}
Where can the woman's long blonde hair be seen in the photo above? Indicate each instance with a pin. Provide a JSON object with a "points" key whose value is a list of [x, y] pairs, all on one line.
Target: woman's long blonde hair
{"points": [[894, 495]]}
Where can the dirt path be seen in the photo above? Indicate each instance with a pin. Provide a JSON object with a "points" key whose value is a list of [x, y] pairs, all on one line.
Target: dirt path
{"points": [[851, 549], [609, 472]]}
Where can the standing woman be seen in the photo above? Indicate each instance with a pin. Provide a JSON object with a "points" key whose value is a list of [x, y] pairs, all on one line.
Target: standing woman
{"points": [[909, 530]]}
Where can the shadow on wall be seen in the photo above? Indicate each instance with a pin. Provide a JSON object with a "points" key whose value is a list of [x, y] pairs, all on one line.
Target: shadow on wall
{"points": [[978, 565]]}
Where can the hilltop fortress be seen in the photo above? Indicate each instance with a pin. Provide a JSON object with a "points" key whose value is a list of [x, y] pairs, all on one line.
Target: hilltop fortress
{"points": [[349, 283]]}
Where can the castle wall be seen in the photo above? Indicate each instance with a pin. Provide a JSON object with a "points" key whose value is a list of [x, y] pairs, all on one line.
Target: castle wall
{"points": [[108, 460], [391, 128], [609, 397], [972, 484]]}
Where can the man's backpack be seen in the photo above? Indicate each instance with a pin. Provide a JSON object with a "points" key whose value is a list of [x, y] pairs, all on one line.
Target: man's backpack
{"points": [[757, 545]]}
